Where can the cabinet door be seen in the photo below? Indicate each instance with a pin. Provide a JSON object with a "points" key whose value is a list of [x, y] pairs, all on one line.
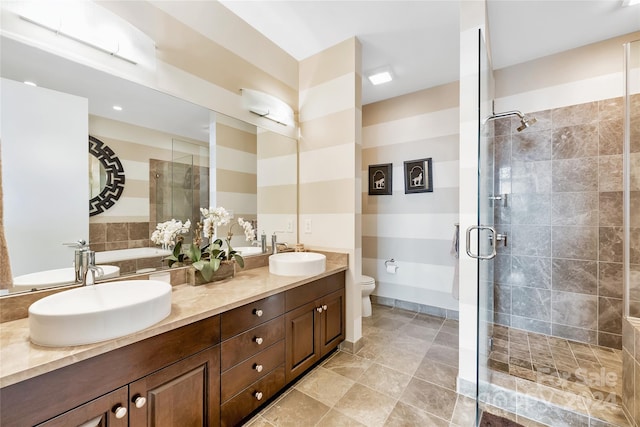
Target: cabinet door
{"points": [[302, 342], [109, 410], [186, 393], [332, 321]]}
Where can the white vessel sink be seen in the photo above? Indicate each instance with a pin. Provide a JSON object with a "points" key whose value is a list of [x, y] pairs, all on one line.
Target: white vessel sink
{"points": [[60, 276], [297, 264], [248, 250], [100, 312]]}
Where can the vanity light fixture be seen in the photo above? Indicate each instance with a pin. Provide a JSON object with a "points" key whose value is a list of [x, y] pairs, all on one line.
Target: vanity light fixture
{"points": [[380, 76], [268, 106]]}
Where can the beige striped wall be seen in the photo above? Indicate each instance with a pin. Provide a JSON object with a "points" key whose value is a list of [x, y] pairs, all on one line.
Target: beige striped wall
{"points": [[414, 229], [236, 183], [134, 146], [277, 187], [330, 162]]}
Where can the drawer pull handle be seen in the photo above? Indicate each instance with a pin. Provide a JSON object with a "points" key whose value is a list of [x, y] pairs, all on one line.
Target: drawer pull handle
{"points": [[258, 395], [258, 340], [139, 401], [120, 411], [258, 312], [324, 307], [319, 309], [257, 367]]}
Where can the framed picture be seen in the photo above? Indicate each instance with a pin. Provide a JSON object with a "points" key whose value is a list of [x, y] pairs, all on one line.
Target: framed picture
{"points": [[417, 176], [380, 179]]}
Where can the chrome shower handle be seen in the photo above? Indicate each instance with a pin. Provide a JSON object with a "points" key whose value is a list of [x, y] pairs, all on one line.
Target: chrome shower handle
{"points": [[491, 237]]}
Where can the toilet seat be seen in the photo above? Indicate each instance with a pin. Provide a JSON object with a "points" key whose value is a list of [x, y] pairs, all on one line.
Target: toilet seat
{"points": [[366, 280]]}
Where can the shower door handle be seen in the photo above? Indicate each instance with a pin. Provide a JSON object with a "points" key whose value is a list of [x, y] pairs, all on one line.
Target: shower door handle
{"points": [[492, 237]]}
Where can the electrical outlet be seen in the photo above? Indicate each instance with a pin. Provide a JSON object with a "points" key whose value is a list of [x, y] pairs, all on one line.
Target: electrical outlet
{"points": [[290, 226], [307, 226]]}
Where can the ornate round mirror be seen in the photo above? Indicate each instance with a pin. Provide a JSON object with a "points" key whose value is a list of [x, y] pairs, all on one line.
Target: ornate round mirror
{"points": [[106, 177]]}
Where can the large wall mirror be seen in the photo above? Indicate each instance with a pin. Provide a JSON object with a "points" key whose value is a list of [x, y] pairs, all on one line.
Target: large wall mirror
{"points": [[176, 157]]}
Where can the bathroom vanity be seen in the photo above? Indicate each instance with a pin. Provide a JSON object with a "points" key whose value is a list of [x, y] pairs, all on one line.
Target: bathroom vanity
{"points": [[224, 351]]}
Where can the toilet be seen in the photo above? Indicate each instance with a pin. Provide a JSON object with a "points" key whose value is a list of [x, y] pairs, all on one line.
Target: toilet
{"points": [[367, 284]]}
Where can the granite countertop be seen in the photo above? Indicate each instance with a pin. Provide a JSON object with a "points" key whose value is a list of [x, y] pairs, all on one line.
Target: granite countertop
{"points": [[21, 360]]}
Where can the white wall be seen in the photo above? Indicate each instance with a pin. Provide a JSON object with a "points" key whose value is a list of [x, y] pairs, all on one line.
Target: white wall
{"points": [[45, 175]]}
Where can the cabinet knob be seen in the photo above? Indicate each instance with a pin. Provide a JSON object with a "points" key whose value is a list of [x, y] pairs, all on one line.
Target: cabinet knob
{"points": [[139, 401], [319, 309], [120, 411], [258, 340], [258, 395], [257, 312], [257, 367], [324, 307]]}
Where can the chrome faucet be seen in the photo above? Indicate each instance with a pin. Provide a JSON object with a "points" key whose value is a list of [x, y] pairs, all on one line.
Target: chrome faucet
{"points": [[89, 266], [275, 243], [80, 248]]}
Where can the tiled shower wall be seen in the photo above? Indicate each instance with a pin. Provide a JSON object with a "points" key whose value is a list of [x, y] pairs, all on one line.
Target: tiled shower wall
{"points": [[561, 273]]}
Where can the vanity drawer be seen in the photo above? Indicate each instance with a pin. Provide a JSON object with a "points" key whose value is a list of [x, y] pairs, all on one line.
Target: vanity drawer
{"points": [[306, 293], [253, 341], [242, 318], [245, 373], [236, 409]]}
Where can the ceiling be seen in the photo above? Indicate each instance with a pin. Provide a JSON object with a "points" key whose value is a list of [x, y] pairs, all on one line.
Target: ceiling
{"points": [[420, 40]]}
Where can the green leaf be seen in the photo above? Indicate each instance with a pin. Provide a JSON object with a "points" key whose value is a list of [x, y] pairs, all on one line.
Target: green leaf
{"points": [[194, 253], [207, 273], [199, 265], [239, 260], [215, 264]]}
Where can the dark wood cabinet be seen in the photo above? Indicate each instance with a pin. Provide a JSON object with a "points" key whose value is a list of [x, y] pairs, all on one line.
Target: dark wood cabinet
{"points": [[312, 331], [183, 394], [109, 410]]}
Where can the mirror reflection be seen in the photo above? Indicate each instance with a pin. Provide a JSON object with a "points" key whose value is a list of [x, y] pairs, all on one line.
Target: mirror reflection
{"points": [[173, 166]]}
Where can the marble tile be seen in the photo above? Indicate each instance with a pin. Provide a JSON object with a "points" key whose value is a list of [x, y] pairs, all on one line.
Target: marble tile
{"points": [[531, 177], [294, 409], [324, 385], [532, 209], [502, 127], [446, 339], [575, 276], [442, 354], [634, 166], [418, 332], [464, 413], [573, 333], [117, 231], [575, 208], [529, 146], [610, 340], [610, 279], [572, 309], [502, 151], [573, 175], [437, 373], [334, 418], [432, 398], [610, 244], [531, 303], [610, 315], [610, 208], [385, 380], [611, 133], [628, 381], [634, 217], [531, 240], [348, 365], [406, 415], [427, 321], [502, 268], [502, 298], [258, 421], [573, 142], [401, 359], [611, 108], [365, 405], [97, 233], [543, 122], [540, 326], [575, 242], [533, 272], [575, 114], [610, 173]]}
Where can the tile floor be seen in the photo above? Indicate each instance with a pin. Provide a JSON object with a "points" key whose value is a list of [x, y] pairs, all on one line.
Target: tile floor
{"points": [[404, 376]]}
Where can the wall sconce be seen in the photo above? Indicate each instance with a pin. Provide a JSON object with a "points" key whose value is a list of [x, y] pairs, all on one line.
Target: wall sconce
{"points": [[268, 106]]}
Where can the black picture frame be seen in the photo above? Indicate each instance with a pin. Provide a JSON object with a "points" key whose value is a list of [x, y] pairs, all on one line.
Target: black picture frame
{"points": [[418, 177], [380, 179]]}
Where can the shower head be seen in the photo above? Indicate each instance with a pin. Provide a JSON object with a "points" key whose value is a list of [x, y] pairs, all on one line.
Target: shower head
{"points": [[525, 123]]}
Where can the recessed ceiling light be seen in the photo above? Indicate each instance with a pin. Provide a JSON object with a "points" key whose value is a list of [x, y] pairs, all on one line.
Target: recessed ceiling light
{"points": [[379, 78], [630, 2], [29, 83], [117, 108]]}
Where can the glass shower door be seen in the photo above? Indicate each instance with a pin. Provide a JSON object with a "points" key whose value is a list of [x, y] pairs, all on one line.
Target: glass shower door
{"points": [[485, 232]]}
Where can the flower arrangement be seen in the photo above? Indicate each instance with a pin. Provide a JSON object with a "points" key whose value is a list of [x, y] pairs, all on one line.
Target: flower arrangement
{"points": [[206, 259], [167, 233]]}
